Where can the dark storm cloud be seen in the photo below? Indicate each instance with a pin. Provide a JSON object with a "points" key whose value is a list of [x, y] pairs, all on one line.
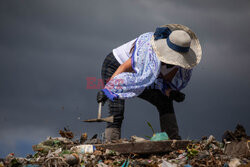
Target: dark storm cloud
{"points": [[48, 48]]}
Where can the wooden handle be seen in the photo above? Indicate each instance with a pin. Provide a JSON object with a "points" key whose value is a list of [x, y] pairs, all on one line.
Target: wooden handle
{"points": [[99, 110]]}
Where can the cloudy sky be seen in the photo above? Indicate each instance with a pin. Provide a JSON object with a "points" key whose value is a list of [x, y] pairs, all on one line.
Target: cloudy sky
{"points": [[49, 48]]}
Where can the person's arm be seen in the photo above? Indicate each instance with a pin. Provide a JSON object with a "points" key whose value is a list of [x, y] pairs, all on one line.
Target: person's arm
{"points": [[125, 67], [168, 78]]}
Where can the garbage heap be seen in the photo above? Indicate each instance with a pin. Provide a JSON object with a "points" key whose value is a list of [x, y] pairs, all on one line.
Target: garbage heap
{"points": [[233, 151]]}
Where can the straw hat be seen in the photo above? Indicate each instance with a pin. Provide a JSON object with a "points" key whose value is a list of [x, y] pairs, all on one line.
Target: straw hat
{"points": [[181, 47]]}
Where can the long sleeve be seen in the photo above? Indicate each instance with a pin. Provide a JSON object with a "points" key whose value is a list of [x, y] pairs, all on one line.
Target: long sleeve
{"points": [[146, 66]]}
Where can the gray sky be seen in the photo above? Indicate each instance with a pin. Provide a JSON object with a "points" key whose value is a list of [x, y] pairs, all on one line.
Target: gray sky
{"points": [[49, 48]]}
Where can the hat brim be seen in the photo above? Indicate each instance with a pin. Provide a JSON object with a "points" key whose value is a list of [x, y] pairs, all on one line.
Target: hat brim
{"points": [[167, 55]]}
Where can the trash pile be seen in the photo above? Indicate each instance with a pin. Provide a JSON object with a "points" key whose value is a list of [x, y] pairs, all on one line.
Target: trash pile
{"points": [[64, 152]]}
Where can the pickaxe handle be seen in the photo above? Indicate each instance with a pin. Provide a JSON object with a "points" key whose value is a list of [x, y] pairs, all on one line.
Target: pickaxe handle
{"points": [[99, 111]]}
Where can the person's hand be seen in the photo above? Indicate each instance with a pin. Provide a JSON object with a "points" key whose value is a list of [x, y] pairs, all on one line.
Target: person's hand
{"points": [[101, 97], [177, 96], [167, 92]]}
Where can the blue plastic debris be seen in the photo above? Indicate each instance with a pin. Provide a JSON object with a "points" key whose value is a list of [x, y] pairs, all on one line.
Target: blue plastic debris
{"points": [[187, 165], [159, 136], [125, 164], [225, 165]]}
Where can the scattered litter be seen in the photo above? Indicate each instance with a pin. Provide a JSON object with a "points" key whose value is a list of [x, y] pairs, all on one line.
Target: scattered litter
{"points": [[64, 152], [234, 162], [66, 133], [137, 139], [167, 164], [71, 159], [30, 165], [83, 138], [125, 164], [101, 164], [187, 165], [238, 134], [82, 149], [237, 142]]}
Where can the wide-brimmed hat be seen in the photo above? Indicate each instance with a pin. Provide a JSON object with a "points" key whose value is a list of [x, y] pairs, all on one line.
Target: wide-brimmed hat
{"points": [[179, 47]]}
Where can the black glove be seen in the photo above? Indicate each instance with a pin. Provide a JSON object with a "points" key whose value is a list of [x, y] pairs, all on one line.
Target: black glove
{"points": [[177, 96], [101, 97]]}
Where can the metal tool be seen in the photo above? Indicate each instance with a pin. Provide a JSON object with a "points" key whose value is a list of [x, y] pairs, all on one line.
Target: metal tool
{"points": [[99, 119]]}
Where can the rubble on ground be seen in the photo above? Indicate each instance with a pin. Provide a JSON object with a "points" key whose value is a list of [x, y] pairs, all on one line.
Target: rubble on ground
{"points": [[63, 151]]}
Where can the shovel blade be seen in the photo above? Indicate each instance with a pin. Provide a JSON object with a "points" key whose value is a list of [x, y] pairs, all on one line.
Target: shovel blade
{"points": [[107, 119]]}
